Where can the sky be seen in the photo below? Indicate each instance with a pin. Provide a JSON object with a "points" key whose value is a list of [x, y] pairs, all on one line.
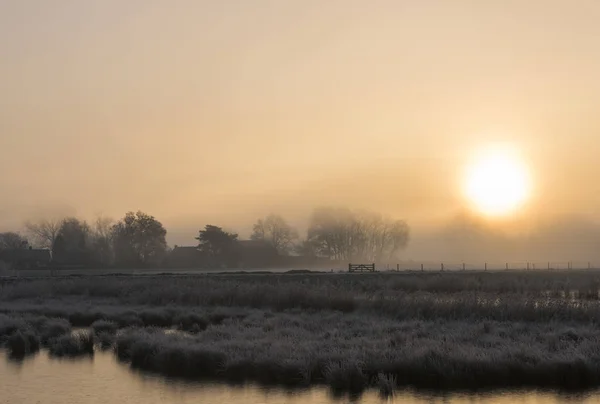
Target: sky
{"points": [[223, 111]]}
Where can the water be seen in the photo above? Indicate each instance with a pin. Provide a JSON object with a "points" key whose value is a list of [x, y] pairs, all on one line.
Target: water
{"points": [[42, 380]]}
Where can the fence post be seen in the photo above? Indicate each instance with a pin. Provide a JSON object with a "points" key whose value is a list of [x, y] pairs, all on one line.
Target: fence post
{"points": [[398, 267], [442, 266], [485, 267], [464, 266], [421, 267], [350, 267]]}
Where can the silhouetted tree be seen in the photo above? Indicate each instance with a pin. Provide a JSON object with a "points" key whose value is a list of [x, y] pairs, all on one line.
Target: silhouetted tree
{"points": [[102, 241], [330, 231], [341, 234], [12, 241], [308, 248], [139, 240], [274, 230], [72, 243], [218, 244], [44, 231]]}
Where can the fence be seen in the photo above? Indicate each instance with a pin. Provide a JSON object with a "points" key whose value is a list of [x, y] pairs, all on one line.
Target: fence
{"points": [[492, 266]]}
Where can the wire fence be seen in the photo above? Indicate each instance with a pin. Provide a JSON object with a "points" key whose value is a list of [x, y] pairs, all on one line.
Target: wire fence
{"points": [[492, 266]]}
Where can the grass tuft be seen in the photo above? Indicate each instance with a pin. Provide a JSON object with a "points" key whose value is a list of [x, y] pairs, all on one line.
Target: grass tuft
{"points": [[386, 384], [105, 340], [345, 376], [72, 345], [24, 343], [104, 327]]}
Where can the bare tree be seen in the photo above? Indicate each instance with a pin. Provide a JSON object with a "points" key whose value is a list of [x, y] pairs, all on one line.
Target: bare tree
{"points": [[276, 231], [399, 236], [308, 248], [44, 232], [342, 234], [102, 227]]}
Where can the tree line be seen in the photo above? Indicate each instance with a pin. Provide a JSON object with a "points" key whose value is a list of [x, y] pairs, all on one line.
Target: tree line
{"points": [[139, 239]]}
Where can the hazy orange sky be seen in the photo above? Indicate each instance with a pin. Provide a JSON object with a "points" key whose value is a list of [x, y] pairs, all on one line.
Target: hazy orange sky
{"points": [[222, 111]]}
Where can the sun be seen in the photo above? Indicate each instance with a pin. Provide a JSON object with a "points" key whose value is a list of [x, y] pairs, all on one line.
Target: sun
{"points": [[497, 182]]}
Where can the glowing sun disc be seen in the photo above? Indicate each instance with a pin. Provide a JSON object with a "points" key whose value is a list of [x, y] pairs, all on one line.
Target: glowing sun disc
{"points": [[497, 182]]}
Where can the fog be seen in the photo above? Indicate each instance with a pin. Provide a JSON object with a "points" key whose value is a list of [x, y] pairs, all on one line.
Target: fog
{"points": [[222, 112]]}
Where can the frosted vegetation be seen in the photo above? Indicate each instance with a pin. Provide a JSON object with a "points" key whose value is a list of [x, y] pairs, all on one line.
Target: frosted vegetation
{"points": [[459, 330]]}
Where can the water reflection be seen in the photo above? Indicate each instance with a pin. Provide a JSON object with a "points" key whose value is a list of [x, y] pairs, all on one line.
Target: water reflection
{"points": [[101, 379]]}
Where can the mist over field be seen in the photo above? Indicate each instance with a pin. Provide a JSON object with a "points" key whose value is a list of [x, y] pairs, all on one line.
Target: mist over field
{"points": [[224, 112], [299, 201], [461, 237]]}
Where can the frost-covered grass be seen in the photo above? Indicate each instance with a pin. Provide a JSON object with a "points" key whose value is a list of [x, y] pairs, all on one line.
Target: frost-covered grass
{"points": [[108, 318], [72, 345], [193, 288], [21, 343], [104, 327], [24, 334], [105, 340], [45, 328], [431, 330], [470, 296], [352, 352]]}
